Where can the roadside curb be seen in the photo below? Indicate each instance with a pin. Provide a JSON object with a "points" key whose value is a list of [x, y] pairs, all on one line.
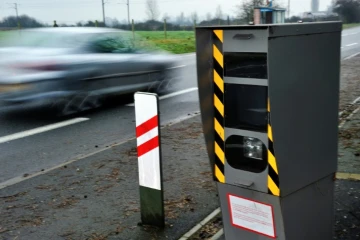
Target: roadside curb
{"points": [[218, 235], [200, 224]]}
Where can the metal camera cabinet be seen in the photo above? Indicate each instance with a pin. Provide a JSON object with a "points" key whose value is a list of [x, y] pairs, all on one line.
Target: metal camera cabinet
{"points": [[269, 103]]}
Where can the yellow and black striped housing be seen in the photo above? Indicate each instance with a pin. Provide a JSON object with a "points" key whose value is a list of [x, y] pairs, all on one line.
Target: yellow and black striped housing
{"points": [[273, 175], [219, 147], [219, 122]]}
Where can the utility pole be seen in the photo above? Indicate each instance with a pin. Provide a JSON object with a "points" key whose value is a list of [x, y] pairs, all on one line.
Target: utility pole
{"points": [[16, 9], [17, 14], [128, 10], [289, 9], [103, 10]]}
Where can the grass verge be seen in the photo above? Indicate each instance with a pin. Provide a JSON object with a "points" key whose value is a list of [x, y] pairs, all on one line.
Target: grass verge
{"points": [[351, 25], [176, 41]]}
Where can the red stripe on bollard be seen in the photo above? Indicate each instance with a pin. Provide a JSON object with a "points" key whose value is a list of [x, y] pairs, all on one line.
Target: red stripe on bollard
{"points": [[148, 146], [147, 126]]}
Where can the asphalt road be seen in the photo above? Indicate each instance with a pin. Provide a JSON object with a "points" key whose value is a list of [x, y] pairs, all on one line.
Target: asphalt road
{"points": [[350, 42], [32, 141]]}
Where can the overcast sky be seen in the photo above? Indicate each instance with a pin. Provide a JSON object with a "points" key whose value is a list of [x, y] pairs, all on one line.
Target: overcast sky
{"points": [[72, 11]]}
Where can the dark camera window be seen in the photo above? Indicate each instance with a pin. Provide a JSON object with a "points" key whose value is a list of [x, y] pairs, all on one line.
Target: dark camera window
{"points": [[246, 107], [247, 154], [245, 65]]}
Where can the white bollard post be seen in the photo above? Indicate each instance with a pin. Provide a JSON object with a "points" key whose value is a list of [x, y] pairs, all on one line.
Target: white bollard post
{"points": [[149, 159]]}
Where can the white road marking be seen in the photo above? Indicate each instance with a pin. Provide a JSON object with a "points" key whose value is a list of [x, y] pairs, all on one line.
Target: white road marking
{"points": [[178, 93], [180, 66], [349, 34], [349, 117], [352, 56], [174, 94], [38, 130], [187, 54], [352, 44], [354, 102]]}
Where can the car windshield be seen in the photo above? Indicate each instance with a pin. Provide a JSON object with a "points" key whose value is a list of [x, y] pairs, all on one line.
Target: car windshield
{"points": [[43, 39], [119, 42]]}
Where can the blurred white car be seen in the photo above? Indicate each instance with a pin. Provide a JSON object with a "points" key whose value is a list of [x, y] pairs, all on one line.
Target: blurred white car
{"points": [[72, 68]]}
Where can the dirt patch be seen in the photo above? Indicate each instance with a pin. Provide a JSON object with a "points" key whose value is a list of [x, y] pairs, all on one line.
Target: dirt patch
{"points": [[66, 203], [114, 175], [102, 189], [14, 197], [30, 221], [174, 207]]}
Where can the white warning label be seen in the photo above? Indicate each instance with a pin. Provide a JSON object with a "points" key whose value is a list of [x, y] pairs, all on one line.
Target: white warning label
{"points": [[251, 215]]}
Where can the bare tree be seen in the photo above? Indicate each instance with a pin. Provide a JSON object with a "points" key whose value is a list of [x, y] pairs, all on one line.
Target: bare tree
{"points": [[194, 16], [181, 19], [152, 9], [208, 17], [246, 9], [348, 10], [218, 13]]}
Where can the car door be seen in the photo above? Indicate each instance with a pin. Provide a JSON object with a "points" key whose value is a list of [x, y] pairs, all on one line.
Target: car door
{"points": [[122, 68]]}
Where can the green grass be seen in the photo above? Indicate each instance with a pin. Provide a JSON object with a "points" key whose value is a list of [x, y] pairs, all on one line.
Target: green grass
{"points": [[176, 41], [351, 25], [2, 33]]}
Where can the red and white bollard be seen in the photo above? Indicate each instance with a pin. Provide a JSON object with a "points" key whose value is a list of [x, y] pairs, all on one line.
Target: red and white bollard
{"points": [[149, 159]]}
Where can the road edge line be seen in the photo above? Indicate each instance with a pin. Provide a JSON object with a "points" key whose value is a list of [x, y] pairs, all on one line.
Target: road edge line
{"points": [[351, 56], [185, 54], [42, 129], [170, 95]]}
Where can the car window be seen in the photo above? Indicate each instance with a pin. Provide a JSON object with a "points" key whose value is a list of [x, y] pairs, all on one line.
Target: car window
{"points": [[113, 43]]}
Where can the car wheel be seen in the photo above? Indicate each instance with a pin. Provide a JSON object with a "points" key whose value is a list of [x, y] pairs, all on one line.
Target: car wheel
{"points": [[90, 101], [77, 103], [164, 84]]}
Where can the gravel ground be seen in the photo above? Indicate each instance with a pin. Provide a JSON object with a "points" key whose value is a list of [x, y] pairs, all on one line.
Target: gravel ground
{"points": [[349, 146], [349, 85], [350, 81], [98, 197]]}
